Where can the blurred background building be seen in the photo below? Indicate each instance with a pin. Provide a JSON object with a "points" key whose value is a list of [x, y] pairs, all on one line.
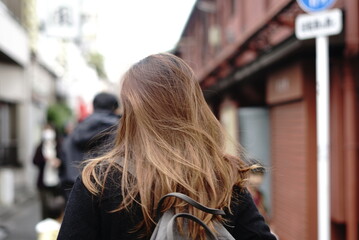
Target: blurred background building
{"points": [[47, 55], [260, 82]]}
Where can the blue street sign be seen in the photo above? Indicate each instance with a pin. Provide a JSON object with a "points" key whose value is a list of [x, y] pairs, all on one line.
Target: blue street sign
{"points": [[315, 5]]}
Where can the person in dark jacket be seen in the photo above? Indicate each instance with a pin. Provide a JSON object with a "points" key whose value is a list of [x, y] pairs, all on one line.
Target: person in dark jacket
{"points": [[89, 137], [168, 141]]}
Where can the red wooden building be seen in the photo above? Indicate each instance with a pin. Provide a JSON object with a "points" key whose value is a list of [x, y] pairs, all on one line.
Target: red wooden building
{"points": [[260, 82]]}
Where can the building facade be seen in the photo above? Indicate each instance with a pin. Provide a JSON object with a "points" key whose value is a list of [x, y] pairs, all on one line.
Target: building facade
{"points": [[27, 86], [35, 68], [260, 82]]}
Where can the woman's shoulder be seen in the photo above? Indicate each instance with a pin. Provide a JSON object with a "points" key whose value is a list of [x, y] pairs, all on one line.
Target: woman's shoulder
{"points": [[241, 197]]}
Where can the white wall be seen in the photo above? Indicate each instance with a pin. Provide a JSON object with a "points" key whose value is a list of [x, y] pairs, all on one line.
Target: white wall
{"points": [[13, 38], [12, 86]]}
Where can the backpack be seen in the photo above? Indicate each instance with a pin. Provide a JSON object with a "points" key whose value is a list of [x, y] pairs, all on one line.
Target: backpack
{"points": [[166, 228]]}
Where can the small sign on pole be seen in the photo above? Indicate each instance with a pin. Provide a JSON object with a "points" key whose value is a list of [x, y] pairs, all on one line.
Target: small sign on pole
{"points": [[320, 24], [324, 23]]}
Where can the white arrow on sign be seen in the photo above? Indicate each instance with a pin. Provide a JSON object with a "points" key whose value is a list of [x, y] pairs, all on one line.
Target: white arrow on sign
{"points": [[324, 23]]}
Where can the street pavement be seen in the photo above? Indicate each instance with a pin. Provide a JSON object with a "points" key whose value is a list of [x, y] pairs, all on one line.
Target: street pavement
{"points": [[18, 223]]}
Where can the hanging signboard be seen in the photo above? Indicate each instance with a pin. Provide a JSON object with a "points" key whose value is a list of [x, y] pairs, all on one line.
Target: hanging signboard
{"points": [[63, 18]]}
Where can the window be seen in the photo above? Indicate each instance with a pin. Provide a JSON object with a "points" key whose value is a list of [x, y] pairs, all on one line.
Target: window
{"points": [[254, 135], [8, 146]]}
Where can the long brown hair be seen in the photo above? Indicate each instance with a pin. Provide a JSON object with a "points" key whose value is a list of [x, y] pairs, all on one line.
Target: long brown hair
{"points": [[172, 141]]}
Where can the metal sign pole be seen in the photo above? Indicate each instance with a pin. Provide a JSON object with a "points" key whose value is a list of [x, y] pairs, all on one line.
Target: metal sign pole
{"points": [[323, 164], [320, 25]]}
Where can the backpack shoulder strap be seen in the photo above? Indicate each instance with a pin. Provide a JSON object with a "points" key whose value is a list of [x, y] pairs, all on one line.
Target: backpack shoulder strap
{"points": [[189, 201]]}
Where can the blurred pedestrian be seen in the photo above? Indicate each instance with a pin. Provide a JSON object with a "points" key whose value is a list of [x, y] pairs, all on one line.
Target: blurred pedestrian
{"points": [[89, 137], [255, 181], [168, 141], [83, 111], [47, 159], [48, 229]]}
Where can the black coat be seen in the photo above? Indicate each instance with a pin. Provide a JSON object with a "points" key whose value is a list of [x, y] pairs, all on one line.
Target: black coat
{"points": [[88, 217], [92, 136]]}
